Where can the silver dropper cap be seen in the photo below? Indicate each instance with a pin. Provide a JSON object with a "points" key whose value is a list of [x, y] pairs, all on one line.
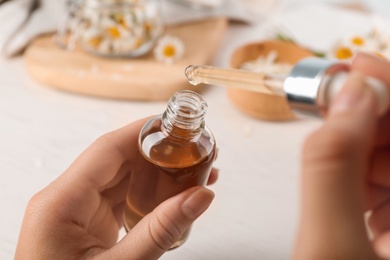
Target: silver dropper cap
{"points": [[306, 85]]}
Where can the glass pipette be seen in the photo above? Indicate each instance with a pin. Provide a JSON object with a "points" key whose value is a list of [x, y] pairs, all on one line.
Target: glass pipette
{"points": [[311, 85], [257, 82]]}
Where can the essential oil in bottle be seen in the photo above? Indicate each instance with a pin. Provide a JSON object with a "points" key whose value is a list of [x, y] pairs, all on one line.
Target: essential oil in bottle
{"points": [[176, 152]]}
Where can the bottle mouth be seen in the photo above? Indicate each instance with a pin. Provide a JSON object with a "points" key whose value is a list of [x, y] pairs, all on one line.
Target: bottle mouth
{"points": [[188, 105], [186, 110]]}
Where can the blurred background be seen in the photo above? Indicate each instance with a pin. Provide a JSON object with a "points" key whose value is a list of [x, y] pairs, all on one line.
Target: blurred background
{"points": [[55, 102]]}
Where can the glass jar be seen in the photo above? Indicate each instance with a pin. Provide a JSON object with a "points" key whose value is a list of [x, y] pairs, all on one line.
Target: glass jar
{"points": [[111, 28], [176, 152]]}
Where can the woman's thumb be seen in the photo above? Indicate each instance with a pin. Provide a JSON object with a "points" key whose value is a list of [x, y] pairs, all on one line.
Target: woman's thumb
{"points": [[160, 229], [334, 163]]}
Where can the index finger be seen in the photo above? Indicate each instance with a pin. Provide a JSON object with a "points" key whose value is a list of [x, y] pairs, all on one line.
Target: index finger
{"points": [[372, 66], [377, 68]]}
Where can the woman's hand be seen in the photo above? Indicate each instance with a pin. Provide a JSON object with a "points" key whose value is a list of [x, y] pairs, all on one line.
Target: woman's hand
{"points": [[80, 213], [345, 172]]}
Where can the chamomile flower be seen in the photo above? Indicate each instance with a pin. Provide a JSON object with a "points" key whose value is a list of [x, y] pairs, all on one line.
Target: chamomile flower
{"points": [[343, 52], [267, 64], [169, 49], [347, 47]]}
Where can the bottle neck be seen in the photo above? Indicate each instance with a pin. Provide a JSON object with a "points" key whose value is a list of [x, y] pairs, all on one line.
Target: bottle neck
{"points": [[184, 116]]}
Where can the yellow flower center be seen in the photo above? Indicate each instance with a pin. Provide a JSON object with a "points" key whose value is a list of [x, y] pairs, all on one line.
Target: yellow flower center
{"points": [[148, 27], [94, 42], [344, 53], [138, 42], [359, 41], [122, 22], [114, 32], [169, 51]]}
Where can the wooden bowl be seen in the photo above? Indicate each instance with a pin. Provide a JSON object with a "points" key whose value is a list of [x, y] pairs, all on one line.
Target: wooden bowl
{"points": [[263, 106]]}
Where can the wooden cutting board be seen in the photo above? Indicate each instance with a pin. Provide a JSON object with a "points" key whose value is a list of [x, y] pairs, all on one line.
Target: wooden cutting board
{"points": [[133, 79]]}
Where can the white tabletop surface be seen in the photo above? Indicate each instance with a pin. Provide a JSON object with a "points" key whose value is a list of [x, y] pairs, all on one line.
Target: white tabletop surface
{"points": [[255, 212]]}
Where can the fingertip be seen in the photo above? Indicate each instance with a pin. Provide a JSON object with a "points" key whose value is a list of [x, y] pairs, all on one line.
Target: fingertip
{"points": [[213, 176], [351, 96], [382, 245], [197, 202], [371, 65]]}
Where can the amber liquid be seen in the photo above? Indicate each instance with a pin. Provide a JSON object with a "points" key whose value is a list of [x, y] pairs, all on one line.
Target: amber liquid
{"points": [[164, 169]]}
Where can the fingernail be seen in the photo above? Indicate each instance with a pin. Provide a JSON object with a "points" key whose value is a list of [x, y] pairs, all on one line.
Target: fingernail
{"points": [[197, 203], [351, 95]]}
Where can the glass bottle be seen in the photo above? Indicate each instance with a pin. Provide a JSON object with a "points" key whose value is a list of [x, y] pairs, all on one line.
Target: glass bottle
{"points": [[176, 152]]}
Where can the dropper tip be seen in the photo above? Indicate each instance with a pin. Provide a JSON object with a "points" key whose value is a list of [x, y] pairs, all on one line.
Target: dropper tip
{"points": [[189, 72]]}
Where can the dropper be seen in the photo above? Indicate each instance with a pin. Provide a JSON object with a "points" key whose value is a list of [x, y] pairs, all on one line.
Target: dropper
{"points": [[236, 78], [310, 86]]}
